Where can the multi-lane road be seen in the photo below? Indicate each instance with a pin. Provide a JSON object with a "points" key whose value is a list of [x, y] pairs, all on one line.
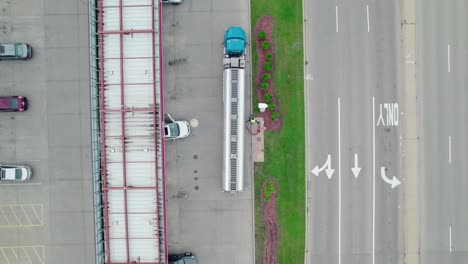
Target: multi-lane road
{"points": [[356, 135], [442, 80], [354, 121]]}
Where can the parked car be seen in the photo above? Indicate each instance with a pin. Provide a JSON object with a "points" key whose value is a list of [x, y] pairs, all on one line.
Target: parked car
{"points": [[175, 129], [186, 258], [174, 2], [13, 103], [17, 173], [15, 51]]}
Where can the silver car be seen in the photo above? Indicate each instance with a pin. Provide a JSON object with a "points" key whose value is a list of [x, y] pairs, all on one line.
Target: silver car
{"points": [[17, 173], [174, 2]]}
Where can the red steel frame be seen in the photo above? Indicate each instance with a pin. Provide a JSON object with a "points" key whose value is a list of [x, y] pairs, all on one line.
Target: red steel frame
{"points": [[124, 188]]}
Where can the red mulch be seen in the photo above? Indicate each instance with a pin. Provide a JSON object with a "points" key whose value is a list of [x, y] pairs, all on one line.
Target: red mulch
{"points": [[270, 223], [265, 23]]}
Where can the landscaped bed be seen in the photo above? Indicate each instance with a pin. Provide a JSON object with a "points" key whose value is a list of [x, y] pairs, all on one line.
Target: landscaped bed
{"points": [[281, 20]]}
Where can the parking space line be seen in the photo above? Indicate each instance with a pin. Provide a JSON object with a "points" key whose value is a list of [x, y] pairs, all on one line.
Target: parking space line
{"points": [[21, 215], [6, 258], [16, 216], [23, 254], [39, 257], [4, 215], [27, 255], [26, 215], [41, 219], [20, 184]]}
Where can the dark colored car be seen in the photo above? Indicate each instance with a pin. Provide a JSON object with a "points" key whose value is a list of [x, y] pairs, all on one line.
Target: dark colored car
{"points": [[15, 51], [13, 103], [186, 258]]}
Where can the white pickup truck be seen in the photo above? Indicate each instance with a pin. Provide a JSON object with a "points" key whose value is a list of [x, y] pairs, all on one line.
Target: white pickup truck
{"points": [[15, 173]]}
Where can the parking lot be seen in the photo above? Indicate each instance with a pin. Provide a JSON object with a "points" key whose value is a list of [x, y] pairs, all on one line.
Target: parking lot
{"points": [[49, 219], [217, 227]]}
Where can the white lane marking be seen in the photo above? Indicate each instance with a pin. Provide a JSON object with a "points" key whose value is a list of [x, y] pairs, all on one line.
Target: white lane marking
{"points": [[339, 181], [368, 22], [450, 149], [336, 17], [450, 238], [394, 181], [20, 184], [356, 168], [326, 166], [373, 180], [448, 58]]}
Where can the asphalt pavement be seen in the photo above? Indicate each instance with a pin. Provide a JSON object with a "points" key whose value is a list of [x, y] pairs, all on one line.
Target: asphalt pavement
{"points": [[353, 117], [441, 71]]}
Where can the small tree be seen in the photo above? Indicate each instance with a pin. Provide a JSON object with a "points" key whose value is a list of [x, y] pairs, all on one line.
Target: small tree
{"points": [[266, 77], [271, 106], [269, 57], [264, 85], [261, 35], [265, 45], [274, 116], [267, 66], [267, 98]]}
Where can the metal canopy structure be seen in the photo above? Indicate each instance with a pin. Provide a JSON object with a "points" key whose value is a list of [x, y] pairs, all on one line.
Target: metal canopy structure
{"points": [[130, 115]]}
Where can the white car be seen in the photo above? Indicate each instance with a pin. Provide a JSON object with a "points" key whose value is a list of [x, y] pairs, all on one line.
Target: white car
{"points": [[15, 172], [174, 2], [175, 129]]}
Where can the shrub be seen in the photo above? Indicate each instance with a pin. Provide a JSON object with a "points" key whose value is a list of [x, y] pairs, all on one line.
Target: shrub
{"points": [[264, 85], [267, 98], [267, 66], [265, 45], [271, 107], [261, 35], [269, 57], [266, 77], [268, 190], [274, 116]]}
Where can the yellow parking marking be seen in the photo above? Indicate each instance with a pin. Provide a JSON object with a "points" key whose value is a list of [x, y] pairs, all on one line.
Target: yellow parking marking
{"points": [[6, 258], [26, 215], [16, 216], [39, 257], [21, 215], [4, 215], [27, 255], [35, 212], [16, 255]]}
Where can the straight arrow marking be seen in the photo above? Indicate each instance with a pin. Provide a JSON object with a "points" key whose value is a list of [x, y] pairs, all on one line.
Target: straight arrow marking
{"points": [[356, 169], [394, 182]]}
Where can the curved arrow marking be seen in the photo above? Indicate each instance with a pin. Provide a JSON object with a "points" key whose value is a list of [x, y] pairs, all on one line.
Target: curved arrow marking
{"points": [[327, 167], [394, 182], [356, 170]]}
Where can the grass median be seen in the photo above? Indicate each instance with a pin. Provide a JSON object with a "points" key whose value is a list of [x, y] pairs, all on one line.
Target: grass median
{"points": [[284, 151]]}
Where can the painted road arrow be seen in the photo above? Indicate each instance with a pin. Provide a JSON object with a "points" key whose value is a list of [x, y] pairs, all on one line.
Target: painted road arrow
{"points": [[356, 169], [394, 182], [327, 167]]}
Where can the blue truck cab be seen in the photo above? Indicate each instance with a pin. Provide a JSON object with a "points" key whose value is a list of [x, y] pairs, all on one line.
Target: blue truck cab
{"points": [[235, 40]]}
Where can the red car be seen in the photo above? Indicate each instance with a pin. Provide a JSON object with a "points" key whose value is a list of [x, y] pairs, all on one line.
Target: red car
{"points": [[13, 103]]}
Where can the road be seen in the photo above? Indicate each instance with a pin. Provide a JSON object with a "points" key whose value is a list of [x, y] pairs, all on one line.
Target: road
{"points": [[352, 50], [442, 79]]}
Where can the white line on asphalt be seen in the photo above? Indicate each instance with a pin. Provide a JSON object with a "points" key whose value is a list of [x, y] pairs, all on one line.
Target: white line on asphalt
{"points": [[339, 181], [336, 17], [448, 58], [450, 238], [20, 184], [368, 22], [450, 149], [373, 180]]}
